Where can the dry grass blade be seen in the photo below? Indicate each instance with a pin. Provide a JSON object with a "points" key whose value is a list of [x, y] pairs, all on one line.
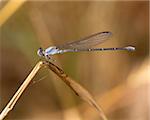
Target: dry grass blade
{"points": [[19, 92], [78, 89], [9, 9]]}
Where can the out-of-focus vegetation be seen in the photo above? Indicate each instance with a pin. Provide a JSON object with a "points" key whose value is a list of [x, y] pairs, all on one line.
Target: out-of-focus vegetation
{"points": [[118, 80]]}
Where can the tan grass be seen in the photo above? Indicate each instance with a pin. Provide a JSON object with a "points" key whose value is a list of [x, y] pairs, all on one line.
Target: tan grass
{"points": [[78, 89], [19, 92], [9, 9]]}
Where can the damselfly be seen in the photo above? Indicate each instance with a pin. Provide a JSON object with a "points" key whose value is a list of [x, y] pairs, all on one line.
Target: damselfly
{"points": [[81, 45]]}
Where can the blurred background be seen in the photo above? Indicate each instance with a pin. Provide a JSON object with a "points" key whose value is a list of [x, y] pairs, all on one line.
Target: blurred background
{"points": [[118, 80]]}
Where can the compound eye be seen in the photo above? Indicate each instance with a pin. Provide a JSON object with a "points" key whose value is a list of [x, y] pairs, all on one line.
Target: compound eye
{"points": [[40, 52]]}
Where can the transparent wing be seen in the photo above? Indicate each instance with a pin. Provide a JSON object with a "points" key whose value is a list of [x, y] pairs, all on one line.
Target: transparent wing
{"points": [[87, 42]]}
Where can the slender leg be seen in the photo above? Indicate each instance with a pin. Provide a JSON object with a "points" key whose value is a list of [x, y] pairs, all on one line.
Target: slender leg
{"points": [[49, 58]]}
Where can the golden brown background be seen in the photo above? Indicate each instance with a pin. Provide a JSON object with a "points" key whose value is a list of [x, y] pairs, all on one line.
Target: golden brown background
{"points": [[119, 80]]}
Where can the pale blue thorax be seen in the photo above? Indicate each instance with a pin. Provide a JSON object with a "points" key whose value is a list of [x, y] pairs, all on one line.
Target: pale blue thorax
{"points": [[52, 50]]}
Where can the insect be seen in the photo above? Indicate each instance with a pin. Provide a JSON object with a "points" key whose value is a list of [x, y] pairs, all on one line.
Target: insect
{"points": [[85, 44]]}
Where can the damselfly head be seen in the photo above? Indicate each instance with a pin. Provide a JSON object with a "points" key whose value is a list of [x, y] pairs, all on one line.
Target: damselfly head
{"points": [[40, 52]]}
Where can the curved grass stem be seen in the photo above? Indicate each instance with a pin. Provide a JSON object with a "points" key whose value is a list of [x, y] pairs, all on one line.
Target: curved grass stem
{"points": [[77, 88]]}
